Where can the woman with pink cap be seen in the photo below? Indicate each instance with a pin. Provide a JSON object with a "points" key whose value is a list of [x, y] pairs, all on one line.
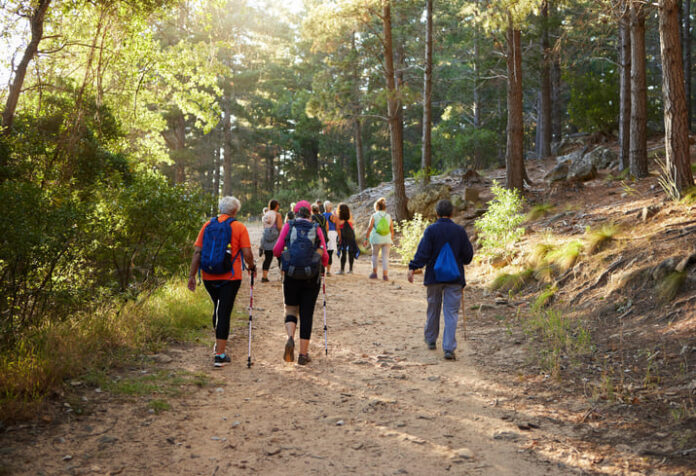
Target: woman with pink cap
{"points": [[302, 247]]}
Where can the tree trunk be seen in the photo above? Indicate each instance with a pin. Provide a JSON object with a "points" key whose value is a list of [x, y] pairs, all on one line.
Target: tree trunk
{"points": [[393, 113], [227, 150], [624, 88], [544, 122], [639, 98], [674, 97], [359, 157], [686, 42], [36, 23], [426, 152], [216, 163], [514, 157], [556, 109], [476, 95]]}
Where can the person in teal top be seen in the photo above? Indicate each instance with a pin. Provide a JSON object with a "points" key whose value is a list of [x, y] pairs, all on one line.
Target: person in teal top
{"points": [[380, 234]]}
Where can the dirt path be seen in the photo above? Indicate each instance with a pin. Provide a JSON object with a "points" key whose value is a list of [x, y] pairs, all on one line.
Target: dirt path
{"points": [[379, 403]]}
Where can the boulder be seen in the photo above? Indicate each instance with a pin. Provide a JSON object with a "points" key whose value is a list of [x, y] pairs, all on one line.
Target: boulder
{"points": [[559, 172], [582, 169], [574, 156], [424, 200], [602, 157]]}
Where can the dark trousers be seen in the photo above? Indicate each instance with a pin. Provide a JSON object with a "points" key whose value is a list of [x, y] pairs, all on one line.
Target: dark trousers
{"points": [[302, 293], [268, 259], [223, 294], [343, 259]]}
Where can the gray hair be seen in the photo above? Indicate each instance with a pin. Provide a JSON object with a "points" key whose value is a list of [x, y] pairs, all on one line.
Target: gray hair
{"points": [[229, 205], [328, 205]]}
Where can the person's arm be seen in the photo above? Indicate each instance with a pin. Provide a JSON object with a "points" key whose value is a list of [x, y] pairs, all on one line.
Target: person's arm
{"points": [[279, 221], [338, 230], [467, 253], [391, 227], [195, 264], [422, 257], [369, 229], [249, 260], [324, 254], [280, 244]]}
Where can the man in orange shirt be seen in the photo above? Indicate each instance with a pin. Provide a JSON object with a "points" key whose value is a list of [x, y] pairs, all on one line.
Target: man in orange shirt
{"points": [[223, 287]]}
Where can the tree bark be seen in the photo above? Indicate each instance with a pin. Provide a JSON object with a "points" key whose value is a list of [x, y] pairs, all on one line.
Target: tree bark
{"points": [[393, 113], [36, 23], [359, 157], [227, 150], [216, 164], [556, 109], [674, 97], [686, 42], [639, 98], [544, 122], [514, 157], [426, 152], [624, 87], [476, 95]]}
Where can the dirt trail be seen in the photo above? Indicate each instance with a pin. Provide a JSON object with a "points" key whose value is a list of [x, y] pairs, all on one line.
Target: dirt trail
{"points": [[379, 403]]}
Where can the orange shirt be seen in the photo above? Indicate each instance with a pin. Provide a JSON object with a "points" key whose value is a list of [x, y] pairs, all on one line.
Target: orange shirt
{"points": [[240, 239]]}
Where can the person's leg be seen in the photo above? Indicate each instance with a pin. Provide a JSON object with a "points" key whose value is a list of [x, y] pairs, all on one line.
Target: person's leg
{"points": [[452, 297], [385, 261], [308, 300], [344, 252], [292, 311], [375, 257], [227, 295], [267, 260], [328, 268], [432, 323], [350, 262]]}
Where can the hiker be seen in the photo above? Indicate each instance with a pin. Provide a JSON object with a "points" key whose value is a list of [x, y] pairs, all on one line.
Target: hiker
{"points": [[222, 244], [444, 249], [332, 241], [347, 246], [319, 218], [303, 248], [319, 204], [272, 223], [380, 234], [291, 214]]}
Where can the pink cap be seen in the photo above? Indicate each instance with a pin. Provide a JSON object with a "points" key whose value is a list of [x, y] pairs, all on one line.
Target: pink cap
{"points": [[302, 203]]}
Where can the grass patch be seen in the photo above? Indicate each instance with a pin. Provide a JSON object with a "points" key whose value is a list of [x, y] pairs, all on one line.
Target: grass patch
{"points": [[506, 282], [545, 298], [538, 211], [689, 196], [670, 285], [565, 256], [598, 239], [159, 406], [85, 343], [559, 338], [540, 253]]}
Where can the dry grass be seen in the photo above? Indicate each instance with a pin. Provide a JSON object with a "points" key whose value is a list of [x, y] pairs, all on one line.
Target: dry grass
{"points": [[565, 257], [539, 211], [512, 281], [670, 285], [598, 239]]}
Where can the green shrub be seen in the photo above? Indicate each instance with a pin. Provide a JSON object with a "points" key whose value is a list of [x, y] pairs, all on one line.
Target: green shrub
{"points": [[499, 228], [411, 233], [512, 281], [564, 257]]}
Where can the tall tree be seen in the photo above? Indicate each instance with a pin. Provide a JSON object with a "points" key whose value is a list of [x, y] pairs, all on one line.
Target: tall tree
{"points": [[675, 105], [357, 125], [686, 42], [514, 156], [624, 85], [36, 15], [639, 97], [544, 121], [394, 111], [426, 153]]}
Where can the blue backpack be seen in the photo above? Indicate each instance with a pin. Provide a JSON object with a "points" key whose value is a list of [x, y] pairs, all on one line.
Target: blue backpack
{"points": [[216, 255], [300, 258], [446, 267]]}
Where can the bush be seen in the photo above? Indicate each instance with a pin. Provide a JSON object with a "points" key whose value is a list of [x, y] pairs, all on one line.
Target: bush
{"points": [[499, 228], [411, 234]]}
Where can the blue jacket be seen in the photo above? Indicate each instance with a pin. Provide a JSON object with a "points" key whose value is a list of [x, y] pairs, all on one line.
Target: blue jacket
{"points": [[444, 230]]}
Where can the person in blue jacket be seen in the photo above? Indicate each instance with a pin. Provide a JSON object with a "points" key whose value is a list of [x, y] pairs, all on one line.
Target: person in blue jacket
{"points": [[444, 250]]}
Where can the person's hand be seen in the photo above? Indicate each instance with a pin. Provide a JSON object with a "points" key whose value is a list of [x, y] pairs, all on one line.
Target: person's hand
{"points": [[252, 270], [365, 244], [192, 283], [410, 274]]}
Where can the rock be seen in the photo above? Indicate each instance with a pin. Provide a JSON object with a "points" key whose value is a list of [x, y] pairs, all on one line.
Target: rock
{"points": [[67, 457], [663, 269], [506, 435], [648, 212], [559, 172], [219, 390], [471, 194], [161, 358], [340, 423], [602, 157], [107, 440], [459, 203], [272, 451], [215, 438], [464, 453], [582, 169], [424, 200], [235, 424]]}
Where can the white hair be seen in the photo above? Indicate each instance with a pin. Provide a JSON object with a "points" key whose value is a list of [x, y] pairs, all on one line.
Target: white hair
{"points": [[229, 205], [328, 205]]}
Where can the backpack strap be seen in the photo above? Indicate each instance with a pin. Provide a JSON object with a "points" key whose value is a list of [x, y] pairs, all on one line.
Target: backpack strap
{"points": [[229, 221]]}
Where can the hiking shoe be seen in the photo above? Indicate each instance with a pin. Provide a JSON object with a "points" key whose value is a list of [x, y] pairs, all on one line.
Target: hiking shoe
{"points": [[373, 276], [328, 273], [350, 271], [431, 345], [220, 360], [340, 272], [385, 278], [289, 355], [265, 280], [449, 355], [303, 359]]}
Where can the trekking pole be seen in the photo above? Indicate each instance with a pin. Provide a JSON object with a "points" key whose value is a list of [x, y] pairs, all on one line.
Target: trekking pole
{"points": [[323, 286], [251, 306]]}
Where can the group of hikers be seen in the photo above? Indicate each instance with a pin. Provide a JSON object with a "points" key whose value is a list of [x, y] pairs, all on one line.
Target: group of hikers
{"points": [[304, 243]]}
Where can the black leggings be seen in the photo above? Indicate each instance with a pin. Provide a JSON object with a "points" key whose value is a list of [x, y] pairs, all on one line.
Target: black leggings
{"points": [[303, 293], [343, 259], [223, 294], [331, 257], [268, 259]]}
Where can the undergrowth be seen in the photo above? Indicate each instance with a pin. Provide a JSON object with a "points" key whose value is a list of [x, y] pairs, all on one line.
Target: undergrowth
{"points": [[538, 211], [79, 345], [500, 228], [596, 240], [411, 233]]}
